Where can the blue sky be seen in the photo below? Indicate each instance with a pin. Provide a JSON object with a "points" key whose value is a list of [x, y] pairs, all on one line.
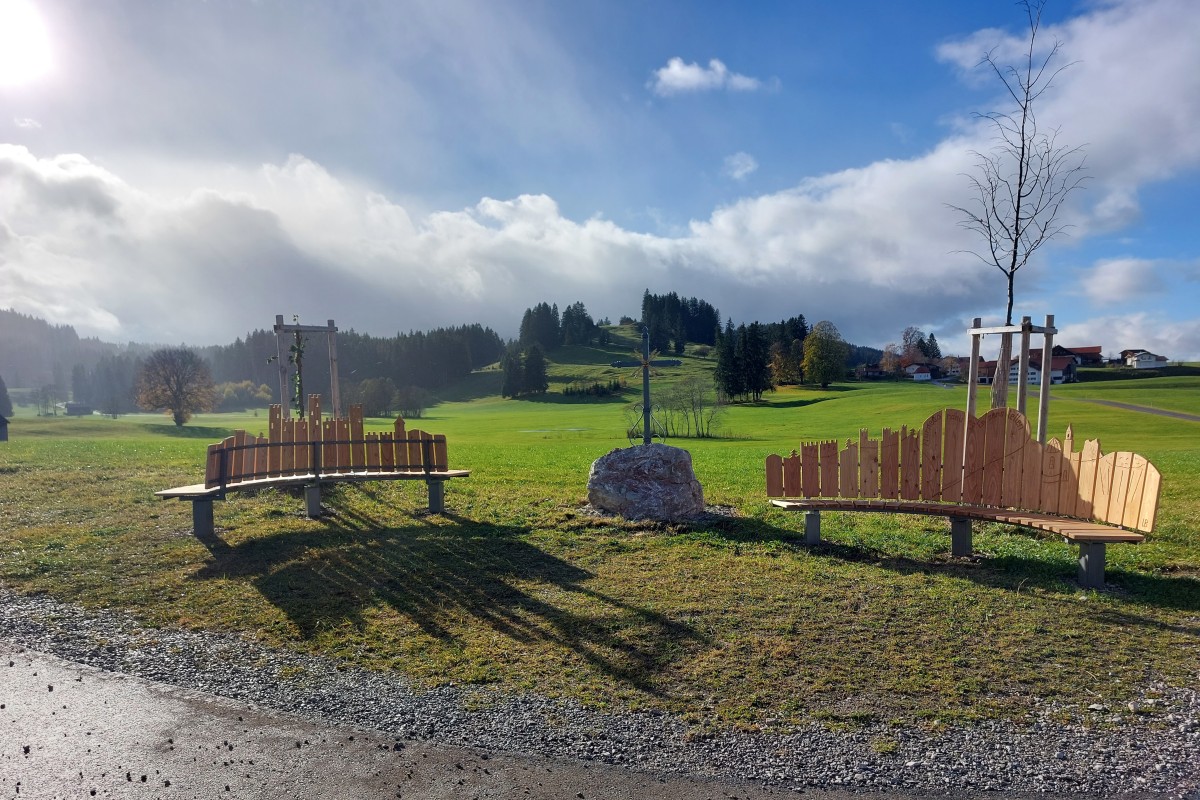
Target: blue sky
{"points": [[183, 171]]}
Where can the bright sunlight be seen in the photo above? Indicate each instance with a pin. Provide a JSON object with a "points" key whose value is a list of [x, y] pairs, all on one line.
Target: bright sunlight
{"points": [[24, 44]]}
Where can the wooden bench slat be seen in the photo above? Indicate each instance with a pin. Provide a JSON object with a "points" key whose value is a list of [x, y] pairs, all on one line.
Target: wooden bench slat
{"points": [[990, 469], [810, 475], [848, 471], [774, 467], [1016, 437], [828, 452], [973, 461], [1122, 467], [1104, 482], [993, 456], [954, 427], [931, 458], [1150, 494]]}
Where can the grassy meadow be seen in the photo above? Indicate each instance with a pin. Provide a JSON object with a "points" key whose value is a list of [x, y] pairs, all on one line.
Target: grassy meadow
{"points": [[730, 623]]}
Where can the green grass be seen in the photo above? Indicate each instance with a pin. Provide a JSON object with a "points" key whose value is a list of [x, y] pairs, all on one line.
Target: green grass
{"points": [[729, 623]]}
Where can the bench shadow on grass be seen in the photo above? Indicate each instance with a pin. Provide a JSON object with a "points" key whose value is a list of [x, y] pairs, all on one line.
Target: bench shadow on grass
{"points": [[437, 574], [1006, 572]]}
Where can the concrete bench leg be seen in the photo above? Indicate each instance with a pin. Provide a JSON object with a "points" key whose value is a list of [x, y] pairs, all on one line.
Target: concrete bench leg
{"points": [[437, 496], [960, 536], [312, 500], [812, 527], [202, 517], [1091, 565]]}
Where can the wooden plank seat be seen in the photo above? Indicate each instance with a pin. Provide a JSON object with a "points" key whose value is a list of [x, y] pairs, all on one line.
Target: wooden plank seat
{"points": [[310, 452], [966, 469]]}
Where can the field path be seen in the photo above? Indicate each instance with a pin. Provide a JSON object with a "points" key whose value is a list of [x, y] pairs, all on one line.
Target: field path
{"points": [[1131, 407]]}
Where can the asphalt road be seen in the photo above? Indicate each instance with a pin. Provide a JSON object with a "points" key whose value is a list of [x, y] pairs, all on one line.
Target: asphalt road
{"points": [[1158, 412], [73, 731]]}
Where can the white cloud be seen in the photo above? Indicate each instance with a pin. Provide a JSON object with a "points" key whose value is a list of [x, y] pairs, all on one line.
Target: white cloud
{"points": [[739, 165], [1178, 341], [164, 251], [677, 78], [1118, 281], [26, 123]]}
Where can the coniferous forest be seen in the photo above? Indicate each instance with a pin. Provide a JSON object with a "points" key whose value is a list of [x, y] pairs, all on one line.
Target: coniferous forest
{"points": [[50, 364]]}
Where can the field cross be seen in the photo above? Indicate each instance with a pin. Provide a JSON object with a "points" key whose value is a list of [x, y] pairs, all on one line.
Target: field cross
{"points": [[645, 363]]}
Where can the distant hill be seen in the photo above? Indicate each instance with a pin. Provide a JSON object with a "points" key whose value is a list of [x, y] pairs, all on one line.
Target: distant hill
{"points": [[35, 353]]}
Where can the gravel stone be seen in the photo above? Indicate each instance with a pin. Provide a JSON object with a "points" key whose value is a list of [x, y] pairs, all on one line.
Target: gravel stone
{"points": [[1155, 752]]}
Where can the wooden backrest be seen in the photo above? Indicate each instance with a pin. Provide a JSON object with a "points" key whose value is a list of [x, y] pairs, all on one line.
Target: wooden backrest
{"points": [[989, 461], [329, 446]]}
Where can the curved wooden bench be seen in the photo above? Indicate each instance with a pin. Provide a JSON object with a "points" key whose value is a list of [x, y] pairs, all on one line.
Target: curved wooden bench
{"points": [[969, 469], [310, 452]]}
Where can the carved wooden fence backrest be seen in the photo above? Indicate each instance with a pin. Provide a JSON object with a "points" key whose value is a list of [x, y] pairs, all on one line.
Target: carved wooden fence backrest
{"points": [[314, 446], [988, 461]]}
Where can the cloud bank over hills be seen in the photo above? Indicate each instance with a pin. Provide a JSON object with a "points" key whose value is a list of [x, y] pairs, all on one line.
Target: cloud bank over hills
{"points": [[198, 245]]}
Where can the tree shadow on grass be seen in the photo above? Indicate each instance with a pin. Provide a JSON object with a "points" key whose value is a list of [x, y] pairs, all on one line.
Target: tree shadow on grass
{"points": [[189, 432], [1006, 572], [438, 576], [799, 403]]}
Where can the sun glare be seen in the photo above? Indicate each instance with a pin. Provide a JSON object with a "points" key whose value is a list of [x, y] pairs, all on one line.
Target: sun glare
{"points": [[24, 44]]}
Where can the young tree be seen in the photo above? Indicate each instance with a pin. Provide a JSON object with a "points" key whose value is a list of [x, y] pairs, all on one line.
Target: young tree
{"points": [[1021, 184], [377, 396], [413, 400], [911, 349], [891, 362], [175, 380], [824, 354]]}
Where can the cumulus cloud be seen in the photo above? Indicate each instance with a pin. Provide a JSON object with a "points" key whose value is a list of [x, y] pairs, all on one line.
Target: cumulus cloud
{"points": [[225, 248], [678, 77], [1119, 280], [739, 165], [26, 123], [1177, 340]]}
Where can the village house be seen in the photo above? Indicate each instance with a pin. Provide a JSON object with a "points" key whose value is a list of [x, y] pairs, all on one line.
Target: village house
{"points": [[1142, 359], [869, 372], [918, 372]]}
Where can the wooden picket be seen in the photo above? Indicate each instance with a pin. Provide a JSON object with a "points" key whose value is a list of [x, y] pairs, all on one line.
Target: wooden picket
{"points": [[931, 458], [299, 447], [953, 458], [954, 432], [829, 469]]}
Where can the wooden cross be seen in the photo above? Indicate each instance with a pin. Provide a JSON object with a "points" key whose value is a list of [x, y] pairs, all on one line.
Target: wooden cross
{"points": [[645, 363]]}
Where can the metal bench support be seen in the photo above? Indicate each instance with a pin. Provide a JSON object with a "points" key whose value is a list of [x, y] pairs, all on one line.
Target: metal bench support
{"points": [[1091, 565], [202, 517], [812, 527], [312, 500], [960, 536], [437, 496]]}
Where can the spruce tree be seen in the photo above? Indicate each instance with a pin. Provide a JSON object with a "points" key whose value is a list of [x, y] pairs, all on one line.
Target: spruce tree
{"points": [[537, 379]]}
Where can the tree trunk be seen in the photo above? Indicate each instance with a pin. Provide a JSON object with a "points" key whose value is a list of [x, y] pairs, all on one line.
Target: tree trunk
{"points": [[1000, 377]]}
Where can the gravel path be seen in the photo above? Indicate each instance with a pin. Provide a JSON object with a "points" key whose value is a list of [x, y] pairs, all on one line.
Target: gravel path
{"points": [[1119, 752], [1158, 412]]}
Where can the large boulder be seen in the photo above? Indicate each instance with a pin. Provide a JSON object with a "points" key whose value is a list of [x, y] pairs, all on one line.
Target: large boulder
{"points": [[649, 481]]}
